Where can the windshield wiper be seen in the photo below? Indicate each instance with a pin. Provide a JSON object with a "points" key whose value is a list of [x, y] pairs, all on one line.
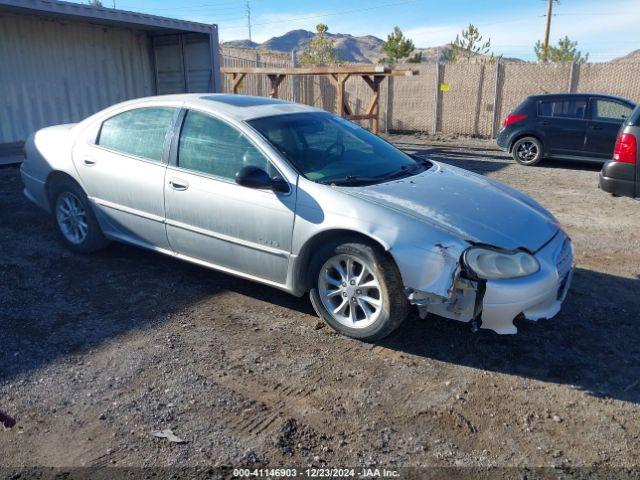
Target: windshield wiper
{"points": [[404, 171], [351, 180]]}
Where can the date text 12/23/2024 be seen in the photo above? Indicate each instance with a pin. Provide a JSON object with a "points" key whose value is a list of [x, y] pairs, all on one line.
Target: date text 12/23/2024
{"points": [[315, 473]]}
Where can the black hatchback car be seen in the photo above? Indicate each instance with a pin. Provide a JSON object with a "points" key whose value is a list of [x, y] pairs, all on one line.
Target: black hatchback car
{"points": [[573, 126]]}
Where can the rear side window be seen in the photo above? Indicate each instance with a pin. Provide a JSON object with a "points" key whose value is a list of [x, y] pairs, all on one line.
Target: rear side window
{"points": [[563, 108], [610, 111], [634, 118], [211, 146], [140, 132]]}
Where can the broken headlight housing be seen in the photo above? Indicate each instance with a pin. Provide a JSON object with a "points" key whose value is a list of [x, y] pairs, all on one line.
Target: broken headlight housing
{"points": [[492, 264]]}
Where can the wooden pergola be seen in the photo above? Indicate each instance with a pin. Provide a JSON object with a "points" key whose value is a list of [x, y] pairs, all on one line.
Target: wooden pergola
{"points": [[373, 75]]}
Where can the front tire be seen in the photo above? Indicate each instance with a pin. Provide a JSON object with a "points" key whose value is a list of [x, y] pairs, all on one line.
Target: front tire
{"points": [[357, 290], [527, 151], [74, 217]]}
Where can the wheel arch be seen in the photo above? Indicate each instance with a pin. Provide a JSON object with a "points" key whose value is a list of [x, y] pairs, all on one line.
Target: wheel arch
{"points": [[302, 278], [520, 136], [56, 177]]}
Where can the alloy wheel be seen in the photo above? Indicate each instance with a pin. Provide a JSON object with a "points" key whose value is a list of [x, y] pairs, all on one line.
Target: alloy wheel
{"points": [[527, 151], [72, 218], [350, 291]]}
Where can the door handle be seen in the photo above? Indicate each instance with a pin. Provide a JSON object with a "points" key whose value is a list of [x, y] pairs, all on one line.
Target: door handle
{"points": [[88, 162], [178, 184], [596, 127]]}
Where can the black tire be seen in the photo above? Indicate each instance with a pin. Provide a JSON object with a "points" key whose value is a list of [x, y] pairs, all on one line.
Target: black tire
{"points": [[527, 151], [93, 240], [394, 307]]}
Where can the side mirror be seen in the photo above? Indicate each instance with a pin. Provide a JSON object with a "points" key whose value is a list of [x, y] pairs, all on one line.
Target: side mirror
{"points": [[255, 177]]}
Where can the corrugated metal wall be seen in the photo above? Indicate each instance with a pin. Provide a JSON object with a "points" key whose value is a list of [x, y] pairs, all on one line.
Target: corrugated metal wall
{"points": [[55, 72]]}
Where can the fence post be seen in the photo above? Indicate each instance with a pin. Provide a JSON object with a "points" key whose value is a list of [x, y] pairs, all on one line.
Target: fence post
{"points": [[389, 113], [497, 97], [436, 108], [294, 78], [573, 77], [258, 78]]}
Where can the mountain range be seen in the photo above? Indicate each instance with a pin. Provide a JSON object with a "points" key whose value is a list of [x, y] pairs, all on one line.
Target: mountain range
{"points": [[364, 49]]}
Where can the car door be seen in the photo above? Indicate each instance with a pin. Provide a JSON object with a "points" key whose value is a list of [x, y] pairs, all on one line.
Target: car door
{"points": [[605, 119], [122, 168], [562, 121], [213, 219]]}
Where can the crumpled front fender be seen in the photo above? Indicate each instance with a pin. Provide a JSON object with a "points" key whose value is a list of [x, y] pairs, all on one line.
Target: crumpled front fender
{"points": [[429, 273]]}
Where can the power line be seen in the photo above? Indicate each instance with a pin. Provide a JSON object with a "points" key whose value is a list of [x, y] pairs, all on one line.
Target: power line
{"points": [[204, 5], [249, 18], [547, 30]]}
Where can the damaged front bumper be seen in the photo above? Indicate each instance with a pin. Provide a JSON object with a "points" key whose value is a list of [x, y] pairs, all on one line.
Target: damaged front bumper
{"points": [[495, 304]]}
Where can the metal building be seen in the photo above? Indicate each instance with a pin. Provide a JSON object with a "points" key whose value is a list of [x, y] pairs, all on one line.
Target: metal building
{"points": [[62, 61]]}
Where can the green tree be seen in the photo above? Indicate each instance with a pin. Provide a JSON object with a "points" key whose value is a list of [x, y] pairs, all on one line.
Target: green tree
{"points": [[95, 3], [469, 46], [398, 47], [417, 58], [320, 50], [565, 51]]}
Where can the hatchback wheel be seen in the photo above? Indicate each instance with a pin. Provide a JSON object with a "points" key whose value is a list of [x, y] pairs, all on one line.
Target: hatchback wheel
{"points": [[358, 291], [527, 151], [75, 219]]}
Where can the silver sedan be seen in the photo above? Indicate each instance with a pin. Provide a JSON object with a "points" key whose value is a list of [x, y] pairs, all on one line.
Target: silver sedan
{"points": [[302, 200]]}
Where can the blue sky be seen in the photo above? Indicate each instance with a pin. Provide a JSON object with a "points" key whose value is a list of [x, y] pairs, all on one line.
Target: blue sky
{"points": [[605, 29]]}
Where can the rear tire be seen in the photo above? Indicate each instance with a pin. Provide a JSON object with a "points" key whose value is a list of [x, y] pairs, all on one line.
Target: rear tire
{"points": [[75, 220], [357, 290], [527, 151]]}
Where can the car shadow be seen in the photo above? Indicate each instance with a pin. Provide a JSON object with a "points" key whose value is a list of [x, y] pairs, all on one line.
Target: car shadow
{"points": [[569, 165], [469, 160], [486, 160], [593, 344]]}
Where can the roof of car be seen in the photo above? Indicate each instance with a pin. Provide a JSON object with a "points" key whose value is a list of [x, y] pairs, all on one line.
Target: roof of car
{"points": [[238, 107], [581, 94]]}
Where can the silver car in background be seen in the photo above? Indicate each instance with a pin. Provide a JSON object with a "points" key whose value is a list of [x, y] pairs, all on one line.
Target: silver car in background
{"points": [[302, 200]]}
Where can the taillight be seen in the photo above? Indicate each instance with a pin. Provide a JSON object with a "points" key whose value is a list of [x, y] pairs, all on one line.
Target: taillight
{"points": [[626, 149], [513, 118]]}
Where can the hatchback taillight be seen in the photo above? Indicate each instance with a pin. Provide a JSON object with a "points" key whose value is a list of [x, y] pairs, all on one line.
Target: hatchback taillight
{"points": [[513, 118], [626, 149]]}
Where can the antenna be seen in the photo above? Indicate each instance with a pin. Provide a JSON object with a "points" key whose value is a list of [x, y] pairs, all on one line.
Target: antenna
{"points": [[248, 5]]}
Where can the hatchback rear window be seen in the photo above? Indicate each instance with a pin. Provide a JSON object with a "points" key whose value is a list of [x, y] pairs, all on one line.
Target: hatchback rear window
{"points": [[563, 108]]}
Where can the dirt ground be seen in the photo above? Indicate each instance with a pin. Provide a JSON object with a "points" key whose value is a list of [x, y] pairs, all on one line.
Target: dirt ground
{"points": [[99, 351]]}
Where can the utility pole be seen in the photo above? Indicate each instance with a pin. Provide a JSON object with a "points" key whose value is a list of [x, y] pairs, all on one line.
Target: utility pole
{"points": [[547, 30], [248, 5]]}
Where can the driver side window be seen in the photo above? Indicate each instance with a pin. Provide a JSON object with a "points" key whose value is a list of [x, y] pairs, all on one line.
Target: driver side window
{"points": [[209, 145]]}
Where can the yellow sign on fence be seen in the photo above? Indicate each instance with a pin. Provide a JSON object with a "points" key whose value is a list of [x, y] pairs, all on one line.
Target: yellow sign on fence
{"points": [[445, 87]]}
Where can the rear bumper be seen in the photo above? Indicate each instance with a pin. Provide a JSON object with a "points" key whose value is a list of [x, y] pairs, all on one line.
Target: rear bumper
{"points": [[503, 140], [618, 178], [35, 190]]}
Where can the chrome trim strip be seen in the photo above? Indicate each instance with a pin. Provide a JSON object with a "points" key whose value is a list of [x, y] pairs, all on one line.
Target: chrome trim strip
{"points": [[190, 228], [130, 241], [229, 239], [132, 211]]}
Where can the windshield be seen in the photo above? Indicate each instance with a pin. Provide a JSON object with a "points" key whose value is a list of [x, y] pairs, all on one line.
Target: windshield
{"points": [[329, 149]]}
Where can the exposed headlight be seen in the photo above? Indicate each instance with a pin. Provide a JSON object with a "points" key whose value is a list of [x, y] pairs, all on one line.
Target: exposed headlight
{"points": [[492, 264]]}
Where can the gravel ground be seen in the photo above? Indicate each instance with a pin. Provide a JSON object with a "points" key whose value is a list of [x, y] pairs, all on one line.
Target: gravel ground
{"points": [[99, 351]]}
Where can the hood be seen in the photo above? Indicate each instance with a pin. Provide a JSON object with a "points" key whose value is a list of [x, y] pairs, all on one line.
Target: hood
{"points": [[470, 206]]}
